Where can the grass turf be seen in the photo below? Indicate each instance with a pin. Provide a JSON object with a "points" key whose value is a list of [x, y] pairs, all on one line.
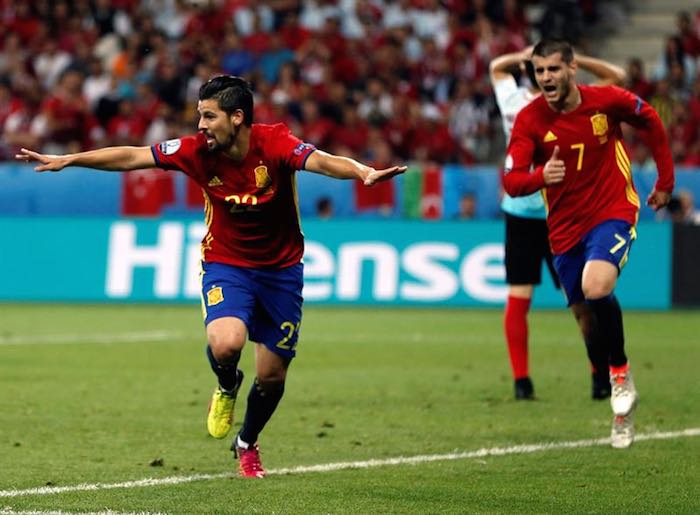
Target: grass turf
{"points": [[106, 394]]}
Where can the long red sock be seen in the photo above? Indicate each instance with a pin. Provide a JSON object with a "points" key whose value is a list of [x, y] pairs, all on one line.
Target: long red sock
{"points": [[515, 327]]}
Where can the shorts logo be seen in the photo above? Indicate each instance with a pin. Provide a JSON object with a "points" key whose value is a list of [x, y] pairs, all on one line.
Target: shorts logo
{"points": [[170, 147], [600, 124], [262, 179], [215, 296]]}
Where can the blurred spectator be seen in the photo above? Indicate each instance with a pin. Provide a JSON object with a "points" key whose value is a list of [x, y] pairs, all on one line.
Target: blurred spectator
{"points": [[50, 63], [467, 206], [316, 129], [688, 34], [170, 84], [352, 131], [377, 104], [127, 127], [324, 208], [674, 53], [97, 83], [237, 60], [273, 58], [636, 81], [663, 102], [68, 124], [681, 209], [562, 19], [469, 121]]}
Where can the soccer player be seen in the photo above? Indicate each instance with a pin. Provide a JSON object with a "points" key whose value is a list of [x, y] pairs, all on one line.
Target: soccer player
{"points": [[251, 255], [572, 138], [526, 231]]}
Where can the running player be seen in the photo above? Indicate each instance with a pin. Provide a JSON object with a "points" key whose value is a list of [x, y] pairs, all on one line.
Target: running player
{"points": [[527, 245], [251, 255], [571, 136]]}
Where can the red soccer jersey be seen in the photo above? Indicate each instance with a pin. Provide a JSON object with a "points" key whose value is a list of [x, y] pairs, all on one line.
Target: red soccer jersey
{"points": [[598, 182], [250, 206]]}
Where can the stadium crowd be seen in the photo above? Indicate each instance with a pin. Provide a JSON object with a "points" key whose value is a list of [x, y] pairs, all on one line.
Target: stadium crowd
{"points": [[382, 80]]}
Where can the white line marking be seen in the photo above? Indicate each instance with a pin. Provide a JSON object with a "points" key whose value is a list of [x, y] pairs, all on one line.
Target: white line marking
{"points": [[144, 336], [10, 511], [331, 467]]}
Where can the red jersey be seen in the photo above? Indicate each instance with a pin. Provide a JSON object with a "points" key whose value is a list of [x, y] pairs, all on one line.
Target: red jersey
{"points": [[250, 206], [598, 182]]}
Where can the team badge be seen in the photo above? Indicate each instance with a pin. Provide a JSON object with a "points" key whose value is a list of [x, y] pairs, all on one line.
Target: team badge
{"points": [[170, 147], [600, 124], [262, 179], [215, 296], [550, 136]]}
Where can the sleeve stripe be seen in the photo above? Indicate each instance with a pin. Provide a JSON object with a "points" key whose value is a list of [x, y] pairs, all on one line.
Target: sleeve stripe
{"points": [[155, 156], [303, 163]]}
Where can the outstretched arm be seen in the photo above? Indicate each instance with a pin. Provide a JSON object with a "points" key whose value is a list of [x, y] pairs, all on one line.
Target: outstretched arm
{"points": [[606, 73], [111, 158], [346, 168]]}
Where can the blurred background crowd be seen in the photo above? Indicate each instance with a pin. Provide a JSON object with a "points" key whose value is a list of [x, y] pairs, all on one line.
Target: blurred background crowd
{"points": [[382, 80]]}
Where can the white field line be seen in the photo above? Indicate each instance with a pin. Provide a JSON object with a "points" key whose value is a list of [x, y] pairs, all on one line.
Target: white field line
{"points": [[332, 467], [10, 511], [143, 336]]}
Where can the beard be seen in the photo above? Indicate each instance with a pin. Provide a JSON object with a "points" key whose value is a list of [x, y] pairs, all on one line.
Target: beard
{"points": [[226, 144]]}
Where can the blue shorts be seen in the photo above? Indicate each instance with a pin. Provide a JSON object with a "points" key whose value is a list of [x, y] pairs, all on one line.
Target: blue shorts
{"points": [[268, 301], [608, 241]]}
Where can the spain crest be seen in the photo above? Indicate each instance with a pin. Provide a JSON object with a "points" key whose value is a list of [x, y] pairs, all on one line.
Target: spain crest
{"points": [[262, 179], [215, 296], [600, 124]]}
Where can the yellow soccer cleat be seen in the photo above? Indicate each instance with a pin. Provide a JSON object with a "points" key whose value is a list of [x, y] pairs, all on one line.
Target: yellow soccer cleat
{"points": [[220, 416]]}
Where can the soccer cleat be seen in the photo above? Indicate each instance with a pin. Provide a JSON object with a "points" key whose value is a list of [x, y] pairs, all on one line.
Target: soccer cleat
{"points": [[220, 416], [600, 386], [622, 434], [524, 389], [248, 460], [623, 397]]}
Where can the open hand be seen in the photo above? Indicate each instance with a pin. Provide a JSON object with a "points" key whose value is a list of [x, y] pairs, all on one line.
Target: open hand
{"points": [[48, 162], [554, 169], [375, 176]]}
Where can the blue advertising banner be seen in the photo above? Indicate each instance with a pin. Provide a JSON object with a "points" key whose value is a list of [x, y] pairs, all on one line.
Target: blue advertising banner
{"points": [[371, 262]]}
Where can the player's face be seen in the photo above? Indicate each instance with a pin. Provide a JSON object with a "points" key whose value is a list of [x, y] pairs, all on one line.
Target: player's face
{"points": [[218, 126], [554, 77]]}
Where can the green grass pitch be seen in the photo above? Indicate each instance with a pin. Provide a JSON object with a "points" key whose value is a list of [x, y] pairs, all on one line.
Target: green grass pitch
{"points": [[110, 394]]}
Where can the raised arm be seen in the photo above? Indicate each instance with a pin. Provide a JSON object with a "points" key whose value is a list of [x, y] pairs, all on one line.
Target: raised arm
{"points": [[500, 66], [346, 168], [118, 159], [606, 73]]}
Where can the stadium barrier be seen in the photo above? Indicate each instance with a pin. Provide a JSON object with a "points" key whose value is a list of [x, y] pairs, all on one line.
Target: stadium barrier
{"points": [[402, 263], [84, 192]]}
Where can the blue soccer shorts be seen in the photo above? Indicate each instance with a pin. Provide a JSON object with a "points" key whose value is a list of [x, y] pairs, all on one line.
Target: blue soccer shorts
{"points": [[608, 241], [268, 301]]}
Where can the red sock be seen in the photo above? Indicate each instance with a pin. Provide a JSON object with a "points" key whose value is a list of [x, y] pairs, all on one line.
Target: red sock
{"points": [[515, 326]]}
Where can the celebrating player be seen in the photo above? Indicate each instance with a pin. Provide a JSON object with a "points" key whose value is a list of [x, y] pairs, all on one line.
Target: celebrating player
{"points": [[571, 135], [527, 244], [251, 255]]}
